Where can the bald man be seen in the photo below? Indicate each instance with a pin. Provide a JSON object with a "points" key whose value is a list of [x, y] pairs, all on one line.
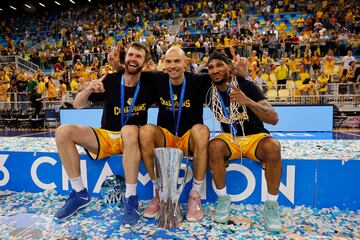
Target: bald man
{"points": [[181, 97]]}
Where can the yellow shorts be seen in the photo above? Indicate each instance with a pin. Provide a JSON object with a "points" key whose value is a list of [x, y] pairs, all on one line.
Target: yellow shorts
{"points": [[243, 146], [177, 142], [110, 143]]}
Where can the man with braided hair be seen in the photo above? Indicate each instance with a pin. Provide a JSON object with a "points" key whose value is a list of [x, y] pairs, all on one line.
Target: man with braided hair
{"points": [[242, 108]]}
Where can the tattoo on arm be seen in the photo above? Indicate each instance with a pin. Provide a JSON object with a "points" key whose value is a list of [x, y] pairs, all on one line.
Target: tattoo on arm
{"points": [[264, 107]]}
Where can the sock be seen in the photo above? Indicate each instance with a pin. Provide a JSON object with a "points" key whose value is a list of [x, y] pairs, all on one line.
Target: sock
{"points": [[197, 185], [77, 184], [272, 198], [130, 190], [221, 192]]}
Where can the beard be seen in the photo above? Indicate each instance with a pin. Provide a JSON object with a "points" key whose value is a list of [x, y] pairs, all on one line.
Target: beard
{"points": [[225, 79], [218, 83], [131, 70]]}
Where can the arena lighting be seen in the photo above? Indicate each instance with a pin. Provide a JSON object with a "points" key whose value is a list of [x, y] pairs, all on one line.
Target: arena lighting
{"points": [[1, 9], [13, 7], [28, 6], [89, 0], [41, 4], [72, 1], [57, 3]]}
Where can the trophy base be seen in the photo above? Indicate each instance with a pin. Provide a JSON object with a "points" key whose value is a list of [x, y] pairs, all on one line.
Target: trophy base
{"points": [[169, 216]]}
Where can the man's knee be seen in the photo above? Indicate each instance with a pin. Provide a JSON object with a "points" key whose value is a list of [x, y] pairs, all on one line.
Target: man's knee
{"points": [[270, 149], [201, 133], [64, 132], [217, 149], [147, 132], [130, 133]]}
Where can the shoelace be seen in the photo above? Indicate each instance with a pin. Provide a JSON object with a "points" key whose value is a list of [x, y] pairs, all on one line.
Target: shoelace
{"points": [[272, 210], [69, 199], [130, 207], [194, 203], [153, 201], [222, 203]]}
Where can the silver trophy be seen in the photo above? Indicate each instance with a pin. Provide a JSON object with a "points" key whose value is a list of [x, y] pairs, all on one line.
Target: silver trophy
{"points": [[168, 163]]}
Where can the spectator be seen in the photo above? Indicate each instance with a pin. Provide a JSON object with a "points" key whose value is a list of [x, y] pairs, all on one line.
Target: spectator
{"points": [[300, 24], [66, 76], [350, 76], [51, 90], [259, 81], [161, 64], [3, 95], [282, 72], [294, 66], [315, 61], [322, 82], [74, 86], [357, 89], [41, 88], [329, 65], [36, 102], [342, 90], [307, 60], [346, 61], [21, 85]]}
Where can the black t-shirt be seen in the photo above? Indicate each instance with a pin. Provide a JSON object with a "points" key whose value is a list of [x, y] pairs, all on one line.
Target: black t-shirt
{"points": [[111, 118], [21, 86], [254, 125], [34, 103], [196, 88]]}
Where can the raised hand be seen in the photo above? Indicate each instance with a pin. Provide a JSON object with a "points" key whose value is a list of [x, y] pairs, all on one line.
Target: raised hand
{"points": [[236, 95], [97, 86], [114, 56], [241, 66]]}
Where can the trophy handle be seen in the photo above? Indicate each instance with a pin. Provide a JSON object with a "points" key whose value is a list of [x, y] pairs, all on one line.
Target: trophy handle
{"points": [[182, 185]]}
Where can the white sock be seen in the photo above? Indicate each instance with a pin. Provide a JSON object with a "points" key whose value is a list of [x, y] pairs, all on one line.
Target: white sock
{"points": [[77, 184], [221, 192], [272, 198], [196, 186], [130, 190]]}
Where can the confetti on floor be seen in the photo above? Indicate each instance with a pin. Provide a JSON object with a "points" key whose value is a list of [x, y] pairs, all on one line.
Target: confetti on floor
{"points": [[290, 149], [30, 216]]}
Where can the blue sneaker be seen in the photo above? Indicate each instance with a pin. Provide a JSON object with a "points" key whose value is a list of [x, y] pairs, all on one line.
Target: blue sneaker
{"points": [[75, 201], [131, 214]]}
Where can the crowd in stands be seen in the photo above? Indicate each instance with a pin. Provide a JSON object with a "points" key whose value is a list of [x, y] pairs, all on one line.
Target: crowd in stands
{"points": [[297, 50]]}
